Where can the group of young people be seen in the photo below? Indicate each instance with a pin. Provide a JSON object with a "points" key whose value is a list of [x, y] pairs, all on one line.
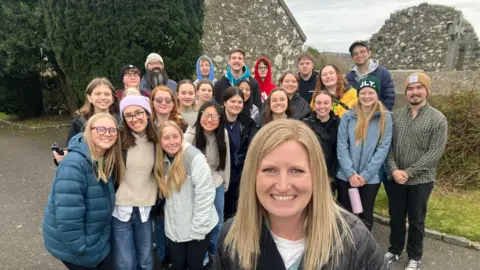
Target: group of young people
{"points": [[167, 162]]}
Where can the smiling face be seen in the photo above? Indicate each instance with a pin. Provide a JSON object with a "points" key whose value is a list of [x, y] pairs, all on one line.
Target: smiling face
{"points": [[102, 141], [205, 67], [290, 84], [171, 140], [205, 93], [166, 105], [416, 93], [284, 181], [360, 55], [367, 97], [210, 119], [329, 77], [234, 105], [236, 61], [186, 95], [245, 87], [278, 102], [323, 105], [136, 118], [101, 97]]}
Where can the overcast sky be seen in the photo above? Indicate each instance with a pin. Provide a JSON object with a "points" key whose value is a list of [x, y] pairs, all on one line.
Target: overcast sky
{"points": [[331, 25]]}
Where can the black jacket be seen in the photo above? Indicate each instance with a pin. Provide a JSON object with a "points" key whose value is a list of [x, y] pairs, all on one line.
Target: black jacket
{"points": [[327, 136], [237, 158], [306, 88], [222, 85], [77, 127], [364, 254], [301, 108]]}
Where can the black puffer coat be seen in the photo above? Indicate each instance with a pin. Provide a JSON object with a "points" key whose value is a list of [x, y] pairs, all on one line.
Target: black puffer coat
{"points": [[364, 254]]}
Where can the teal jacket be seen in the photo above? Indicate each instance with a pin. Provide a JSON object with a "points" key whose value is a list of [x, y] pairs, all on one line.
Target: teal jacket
{"points": [[76, 223], [370, 154]]}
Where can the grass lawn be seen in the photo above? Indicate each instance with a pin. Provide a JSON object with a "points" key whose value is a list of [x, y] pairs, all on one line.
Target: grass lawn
{"points": [[42, 121], [449, 211]]}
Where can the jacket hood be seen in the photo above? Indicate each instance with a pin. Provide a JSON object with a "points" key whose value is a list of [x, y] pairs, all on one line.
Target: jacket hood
{"points": [[265, 86], [372, 66], [234, 81], [78, 144], [211, 76]]}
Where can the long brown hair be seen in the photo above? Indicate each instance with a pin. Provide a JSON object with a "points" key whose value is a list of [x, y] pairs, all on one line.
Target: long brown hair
{"points": [[363, 121], [87, 110], [113, 162], [174, 114], [340, 89], [128, 140], [176, 173], [327, 234], [268, 115]]}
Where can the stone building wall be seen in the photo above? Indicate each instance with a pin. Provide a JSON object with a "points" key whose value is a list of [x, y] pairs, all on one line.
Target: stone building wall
{"points": [[260, 27], [442, 81], [419, 38]]}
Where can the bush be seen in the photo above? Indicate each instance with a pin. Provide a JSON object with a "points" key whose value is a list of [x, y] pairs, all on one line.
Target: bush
{"points": [[21, 96], [460, 164]]}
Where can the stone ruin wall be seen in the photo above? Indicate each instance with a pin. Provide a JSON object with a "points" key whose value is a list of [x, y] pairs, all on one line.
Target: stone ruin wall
{"points": [[260, 27], [418, 38]]}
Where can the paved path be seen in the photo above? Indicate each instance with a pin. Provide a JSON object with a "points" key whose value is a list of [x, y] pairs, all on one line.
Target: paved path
{"points": [[26, 172]]}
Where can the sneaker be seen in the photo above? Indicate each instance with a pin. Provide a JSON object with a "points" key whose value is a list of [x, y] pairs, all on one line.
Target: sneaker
{"points": [[391, 257], [413, 265]]}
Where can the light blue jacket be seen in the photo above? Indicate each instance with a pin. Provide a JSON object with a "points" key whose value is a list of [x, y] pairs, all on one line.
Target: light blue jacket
{"points": [[367, 158]]}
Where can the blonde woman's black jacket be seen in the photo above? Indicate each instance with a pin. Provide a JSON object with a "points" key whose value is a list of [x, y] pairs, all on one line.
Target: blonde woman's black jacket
{"points": [[365, 254], [327, 136]]}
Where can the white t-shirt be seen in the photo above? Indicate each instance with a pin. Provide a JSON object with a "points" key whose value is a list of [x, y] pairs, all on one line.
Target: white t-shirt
{"points": [[290, 251]]}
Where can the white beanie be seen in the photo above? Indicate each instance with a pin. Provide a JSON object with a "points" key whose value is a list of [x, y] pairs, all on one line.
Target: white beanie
{"points": [[153, 56]]}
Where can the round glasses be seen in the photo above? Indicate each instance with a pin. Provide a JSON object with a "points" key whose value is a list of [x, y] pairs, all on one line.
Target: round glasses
{"points": [[159, 100], [103, 130]]}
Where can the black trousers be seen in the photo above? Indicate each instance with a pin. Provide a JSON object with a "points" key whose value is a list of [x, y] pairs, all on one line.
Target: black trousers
{"points": [[231, 198], [102, 266], [368, 194], [188, 255], [411, 201]]}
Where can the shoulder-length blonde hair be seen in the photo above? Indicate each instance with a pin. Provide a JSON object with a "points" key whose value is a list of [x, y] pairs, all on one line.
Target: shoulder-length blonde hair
{"points": [[324, 227], [363, 121], [87, 110], [112, 160], [176, 173]]}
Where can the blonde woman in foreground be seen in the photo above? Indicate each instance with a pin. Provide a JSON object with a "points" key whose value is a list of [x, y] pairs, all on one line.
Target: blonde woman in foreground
{"points": [[287, 218]]}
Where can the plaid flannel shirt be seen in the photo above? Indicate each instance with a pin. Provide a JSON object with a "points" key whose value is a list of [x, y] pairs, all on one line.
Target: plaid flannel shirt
{"points": [[418, 143]]}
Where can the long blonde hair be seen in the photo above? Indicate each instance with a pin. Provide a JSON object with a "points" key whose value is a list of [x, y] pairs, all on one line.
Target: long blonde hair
{"points": [[176, 173], [112, 160], [324, 226], [363, 121]]}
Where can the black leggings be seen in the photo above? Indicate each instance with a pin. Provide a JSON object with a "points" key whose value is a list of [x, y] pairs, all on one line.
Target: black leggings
{"points": [[188, 255], [368, 194]]}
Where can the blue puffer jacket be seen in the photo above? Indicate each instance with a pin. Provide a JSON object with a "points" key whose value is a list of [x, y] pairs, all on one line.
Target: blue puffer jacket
{"points": [[366, 158], [76, 223]]}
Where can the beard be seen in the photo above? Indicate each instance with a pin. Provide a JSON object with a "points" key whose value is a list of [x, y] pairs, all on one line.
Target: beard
{"points": [[415, 103], [156, 77]]}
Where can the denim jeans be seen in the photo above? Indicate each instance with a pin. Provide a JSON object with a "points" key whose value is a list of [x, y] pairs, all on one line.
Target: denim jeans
{"points": [[219, 205], [132, 243], [160, 238]]}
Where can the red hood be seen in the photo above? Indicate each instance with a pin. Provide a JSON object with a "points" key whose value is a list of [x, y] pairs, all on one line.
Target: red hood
{"points": [[265, 86]]}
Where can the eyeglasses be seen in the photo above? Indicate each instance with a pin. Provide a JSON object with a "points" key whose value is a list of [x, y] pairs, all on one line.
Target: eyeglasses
{"points": [[214, 117], [138, 115], [103, 130], [159, 100], [155, 63], [131, 75], [262, 68]]}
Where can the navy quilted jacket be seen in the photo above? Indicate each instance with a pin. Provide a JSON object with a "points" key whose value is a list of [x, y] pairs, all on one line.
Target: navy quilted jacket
{"points": [[76, 223]]}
